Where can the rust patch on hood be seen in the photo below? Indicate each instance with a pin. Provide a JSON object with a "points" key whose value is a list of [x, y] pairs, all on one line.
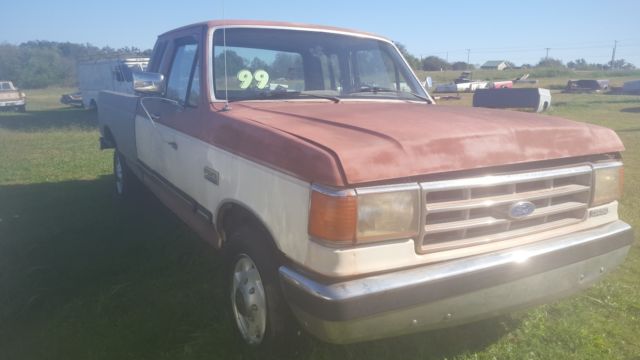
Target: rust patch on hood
{"points": [[376, 141]]}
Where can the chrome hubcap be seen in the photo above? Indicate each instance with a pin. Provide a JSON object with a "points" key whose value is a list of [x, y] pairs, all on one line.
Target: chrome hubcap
{"points": [[118, 173], [248, 300]]}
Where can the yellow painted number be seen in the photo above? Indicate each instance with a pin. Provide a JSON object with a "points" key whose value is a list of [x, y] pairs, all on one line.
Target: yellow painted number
{"points": [[245, 78], [262, 77]]}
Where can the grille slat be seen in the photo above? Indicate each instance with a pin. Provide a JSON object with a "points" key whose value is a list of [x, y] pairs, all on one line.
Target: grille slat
{"points": [[506, 199], [475, 211], [464, 224], [456, 244]]}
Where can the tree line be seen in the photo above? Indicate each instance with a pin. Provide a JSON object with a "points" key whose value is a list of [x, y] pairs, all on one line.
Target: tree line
{"points": [[38, 64], [435, 63]]}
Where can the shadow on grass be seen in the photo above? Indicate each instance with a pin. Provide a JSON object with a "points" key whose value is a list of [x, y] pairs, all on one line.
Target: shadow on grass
{"points": [[59, 118], [83, 275], [632, 100], [633, 110]]}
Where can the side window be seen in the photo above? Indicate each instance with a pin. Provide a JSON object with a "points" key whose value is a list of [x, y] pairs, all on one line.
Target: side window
{"points": [[158, 53], [180, 73], [117, 73], [194, 92]]}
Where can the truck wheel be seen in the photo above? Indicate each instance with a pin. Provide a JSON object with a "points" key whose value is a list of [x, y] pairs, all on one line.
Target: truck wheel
{"points": [[125, 180], [258, 310], [22, 108]]}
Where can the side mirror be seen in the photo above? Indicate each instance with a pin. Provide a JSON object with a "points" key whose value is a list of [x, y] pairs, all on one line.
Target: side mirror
{"points": [[148, 83], [428, 82]]}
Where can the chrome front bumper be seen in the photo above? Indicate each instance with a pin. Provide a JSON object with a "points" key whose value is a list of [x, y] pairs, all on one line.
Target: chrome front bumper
{"points": [[12, 103], [454, 292]]}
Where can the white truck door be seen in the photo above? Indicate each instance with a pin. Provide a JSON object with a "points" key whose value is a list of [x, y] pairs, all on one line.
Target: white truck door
{"points": [[149, 137], [161, 147]]}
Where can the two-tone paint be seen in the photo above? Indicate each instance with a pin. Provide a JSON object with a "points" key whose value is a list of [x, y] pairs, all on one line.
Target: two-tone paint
{"points": [[266, 157]]}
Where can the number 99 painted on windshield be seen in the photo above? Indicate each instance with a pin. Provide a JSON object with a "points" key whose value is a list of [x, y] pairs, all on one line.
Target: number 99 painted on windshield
{"points": [[246, 78]]}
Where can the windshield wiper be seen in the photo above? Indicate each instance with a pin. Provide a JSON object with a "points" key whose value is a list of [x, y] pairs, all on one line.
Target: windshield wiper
{"points": [[292, 94], [376, 89], [335, 99], [419, 96]]}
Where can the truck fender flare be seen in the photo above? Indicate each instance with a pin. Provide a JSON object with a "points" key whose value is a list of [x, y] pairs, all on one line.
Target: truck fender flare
{"points": [[232, 213]]}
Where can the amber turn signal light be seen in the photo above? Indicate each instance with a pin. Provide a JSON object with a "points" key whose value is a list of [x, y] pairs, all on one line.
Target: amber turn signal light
{"points": [[333, 218]]}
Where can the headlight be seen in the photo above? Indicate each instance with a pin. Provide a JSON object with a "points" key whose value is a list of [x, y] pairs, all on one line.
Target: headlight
{"points": [[608, 182], [365, 214]]}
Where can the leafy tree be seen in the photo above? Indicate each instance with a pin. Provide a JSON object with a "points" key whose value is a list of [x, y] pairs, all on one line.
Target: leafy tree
{"points": [[36, 64], [621, 64], [461, 65], [413, 61], [234, 63], [258, 63], [550, 63], [434, 63], [288, 66], [578, 64]]}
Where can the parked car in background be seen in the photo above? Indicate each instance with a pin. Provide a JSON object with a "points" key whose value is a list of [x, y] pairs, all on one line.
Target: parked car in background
{"points": [[340, 194], [587, 85], [106, 74], [74, 99], [11, 98]]}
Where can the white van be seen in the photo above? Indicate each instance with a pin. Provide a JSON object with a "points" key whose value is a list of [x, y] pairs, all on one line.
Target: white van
{"points": [[107, 74]]}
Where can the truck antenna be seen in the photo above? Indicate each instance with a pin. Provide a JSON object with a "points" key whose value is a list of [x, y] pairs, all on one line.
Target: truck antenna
{"points": [[226, 107]]}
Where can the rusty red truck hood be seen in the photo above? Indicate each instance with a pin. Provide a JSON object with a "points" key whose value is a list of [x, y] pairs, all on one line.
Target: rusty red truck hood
{"points": [[379, 141]]}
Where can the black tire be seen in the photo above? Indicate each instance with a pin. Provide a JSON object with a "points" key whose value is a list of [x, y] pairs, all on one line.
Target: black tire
{"points": [[249, 242], [125, 182], [22, 108]]}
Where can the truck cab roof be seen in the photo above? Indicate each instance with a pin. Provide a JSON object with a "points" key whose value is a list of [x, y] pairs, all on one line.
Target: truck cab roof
{"points": [[273, 24]]}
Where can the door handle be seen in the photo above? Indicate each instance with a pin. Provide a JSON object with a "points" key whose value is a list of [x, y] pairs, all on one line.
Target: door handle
{"points": [[154, 116], [173, 144]]}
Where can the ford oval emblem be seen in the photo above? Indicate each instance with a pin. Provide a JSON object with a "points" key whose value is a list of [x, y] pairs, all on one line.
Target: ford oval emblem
{"points": [[521, 209]]}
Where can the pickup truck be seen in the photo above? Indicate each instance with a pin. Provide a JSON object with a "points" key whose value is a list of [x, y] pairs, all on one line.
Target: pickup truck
{"points": [[11, 98], [343, 197]]}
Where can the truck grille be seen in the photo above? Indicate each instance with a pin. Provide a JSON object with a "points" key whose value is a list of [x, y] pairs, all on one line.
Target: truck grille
{"points": [[10, 95], [474, 211]]}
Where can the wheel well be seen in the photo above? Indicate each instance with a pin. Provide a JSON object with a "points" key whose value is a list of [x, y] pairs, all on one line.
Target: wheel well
{"points": [[108, 136], [232, 215], [545, 106]]}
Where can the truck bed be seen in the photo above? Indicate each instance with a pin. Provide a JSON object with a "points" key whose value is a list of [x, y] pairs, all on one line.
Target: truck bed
{"points": [[116, 118]]}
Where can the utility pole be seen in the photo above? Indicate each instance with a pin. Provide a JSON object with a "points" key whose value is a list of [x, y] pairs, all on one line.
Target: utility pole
{"points": [[547, 56], [468, 52], [613, 55]]}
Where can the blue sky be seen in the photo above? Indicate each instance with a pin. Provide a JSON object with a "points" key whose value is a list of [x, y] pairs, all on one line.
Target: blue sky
{"points": [[518, 31]]}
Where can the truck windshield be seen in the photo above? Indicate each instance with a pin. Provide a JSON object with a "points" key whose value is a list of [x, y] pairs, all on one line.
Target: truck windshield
{"points": [[6, 86], [259, 64]]}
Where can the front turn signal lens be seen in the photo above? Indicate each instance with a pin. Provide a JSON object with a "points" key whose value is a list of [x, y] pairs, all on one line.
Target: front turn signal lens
{"points": [[333, 217]]}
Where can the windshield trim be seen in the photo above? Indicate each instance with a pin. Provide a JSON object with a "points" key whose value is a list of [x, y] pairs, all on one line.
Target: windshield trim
{"points": [[342, 100], [209, 46]]}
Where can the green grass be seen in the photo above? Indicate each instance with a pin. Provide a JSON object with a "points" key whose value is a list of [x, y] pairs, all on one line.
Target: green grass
{"points": [[83, 276]]}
